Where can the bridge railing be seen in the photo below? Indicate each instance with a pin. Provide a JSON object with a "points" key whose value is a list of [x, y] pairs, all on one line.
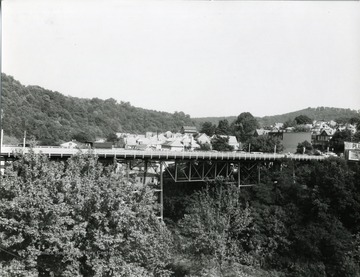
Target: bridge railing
{"points": [[157, 154]]}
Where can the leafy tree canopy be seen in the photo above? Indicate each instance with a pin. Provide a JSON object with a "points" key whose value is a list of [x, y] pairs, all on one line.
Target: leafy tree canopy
{"points": [[78, 219], [52, 117], [244, 126], [221, 143], [303, 119], [266, 144], [208, 128], [304, 147], [223, 128]]}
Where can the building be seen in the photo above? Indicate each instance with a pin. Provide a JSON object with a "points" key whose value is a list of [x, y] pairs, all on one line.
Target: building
{"points": [[188, 130], [69, 144], [321, 141], [173, 145], [290, 141], [260, 132], [203, 138]]}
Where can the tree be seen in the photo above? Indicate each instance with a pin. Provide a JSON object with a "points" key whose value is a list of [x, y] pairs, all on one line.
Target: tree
{"points": [[337, 141], [221, 143], [78, 219], [112, 137], [208, 128], [244, 126], [356, 137], [205, 146], [303, 119], [267, 144], [301, 128], [289, 123], [223, 128], [214, 221], [83, 137], [304, 147]]}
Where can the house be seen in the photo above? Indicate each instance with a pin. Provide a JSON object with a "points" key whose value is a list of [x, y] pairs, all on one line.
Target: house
{"points": [[173, 145], [130, 142], [188, 130], [69, 144], [260, 132], [322, 140], [277, 127], [168, 134], [233, 142], [203, 138], [189, 143]]}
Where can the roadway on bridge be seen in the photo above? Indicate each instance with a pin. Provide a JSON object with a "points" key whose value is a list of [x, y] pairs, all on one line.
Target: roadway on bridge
{"points": [[10, 151]]}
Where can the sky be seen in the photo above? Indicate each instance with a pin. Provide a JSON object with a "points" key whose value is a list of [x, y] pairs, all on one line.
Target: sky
{"points": [[205, 58]]}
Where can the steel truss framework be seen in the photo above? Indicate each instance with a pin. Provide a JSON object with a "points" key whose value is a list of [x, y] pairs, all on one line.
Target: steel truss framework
{"points": [[243, 173]]}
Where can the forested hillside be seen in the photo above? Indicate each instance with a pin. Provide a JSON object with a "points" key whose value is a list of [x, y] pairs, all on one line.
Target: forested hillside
{"points": [[319, 113], [51, 117]]}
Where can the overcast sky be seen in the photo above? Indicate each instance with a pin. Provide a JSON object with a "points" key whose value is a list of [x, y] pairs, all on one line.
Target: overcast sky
{"points": [[205, 58]]}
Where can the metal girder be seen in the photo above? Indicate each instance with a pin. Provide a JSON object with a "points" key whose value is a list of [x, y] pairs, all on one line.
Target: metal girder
{"points": [[200, 171]]}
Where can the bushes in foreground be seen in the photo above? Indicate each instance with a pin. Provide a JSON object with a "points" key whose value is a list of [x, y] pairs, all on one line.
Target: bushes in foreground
{"points": [[78, 219]]}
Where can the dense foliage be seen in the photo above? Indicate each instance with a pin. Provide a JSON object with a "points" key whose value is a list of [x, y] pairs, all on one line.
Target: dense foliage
{"points": [[303, 219], [51, 117], [319, 113], [78, 219], [221, 143], [266, 144]]}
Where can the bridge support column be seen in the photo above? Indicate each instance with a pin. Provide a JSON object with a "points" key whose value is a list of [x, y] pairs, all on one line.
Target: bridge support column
{"points": [[161, 192], [259, 174], [239, 181], [145, 171], [127, 170]]}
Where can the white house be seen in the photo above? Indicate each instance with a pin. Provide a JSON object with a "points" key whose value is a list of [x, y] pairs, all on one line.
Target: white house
{"points": [[69, 144], [173, 145], [203, 138]]}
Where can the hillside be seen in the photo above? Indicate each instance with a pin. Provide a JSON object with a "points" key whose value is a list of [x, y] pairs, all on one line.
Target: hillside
{"points": [[51, 117], [319, 113]]}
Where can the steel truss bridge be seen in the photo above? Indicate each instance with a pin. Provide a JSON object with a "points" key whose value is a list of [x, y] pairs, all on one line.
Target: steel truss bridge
{"points": [[243, 169]]}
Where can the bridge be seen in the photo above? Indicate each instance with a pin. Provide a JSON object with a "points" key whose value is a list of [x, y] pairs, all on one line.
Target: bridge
{"points": [[241, 168], [58, 152]]}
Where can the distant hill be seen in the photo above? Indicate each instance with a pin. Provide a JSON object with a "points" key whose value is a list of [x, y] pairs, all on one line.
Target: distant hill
{"points": [[51, 117], [319, 113]]}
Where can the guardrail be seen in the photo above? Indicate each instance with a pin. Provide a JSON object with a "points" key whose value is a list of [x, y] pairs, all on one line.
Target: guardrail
{"points": [[9, 151]]}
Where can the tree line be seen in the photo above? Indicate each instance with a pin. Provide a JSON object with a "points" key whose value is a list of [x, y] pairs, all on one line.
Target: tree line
{"points": [[51, 118]]}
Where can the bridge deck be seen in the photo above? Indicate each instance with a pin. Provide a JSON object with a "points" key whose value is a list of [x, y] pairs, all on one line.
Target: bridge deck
{"points": [[8, 151]]}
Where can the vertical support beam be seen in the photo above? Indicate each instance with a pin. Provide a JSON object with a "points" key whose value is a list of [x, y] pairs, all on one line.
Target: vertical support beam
{"points": [[239, 182], [190, 164], [203, 171], [215, 170], [293, 168], [127, 170], [176, 170], [161, 192], [145, 171]]}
